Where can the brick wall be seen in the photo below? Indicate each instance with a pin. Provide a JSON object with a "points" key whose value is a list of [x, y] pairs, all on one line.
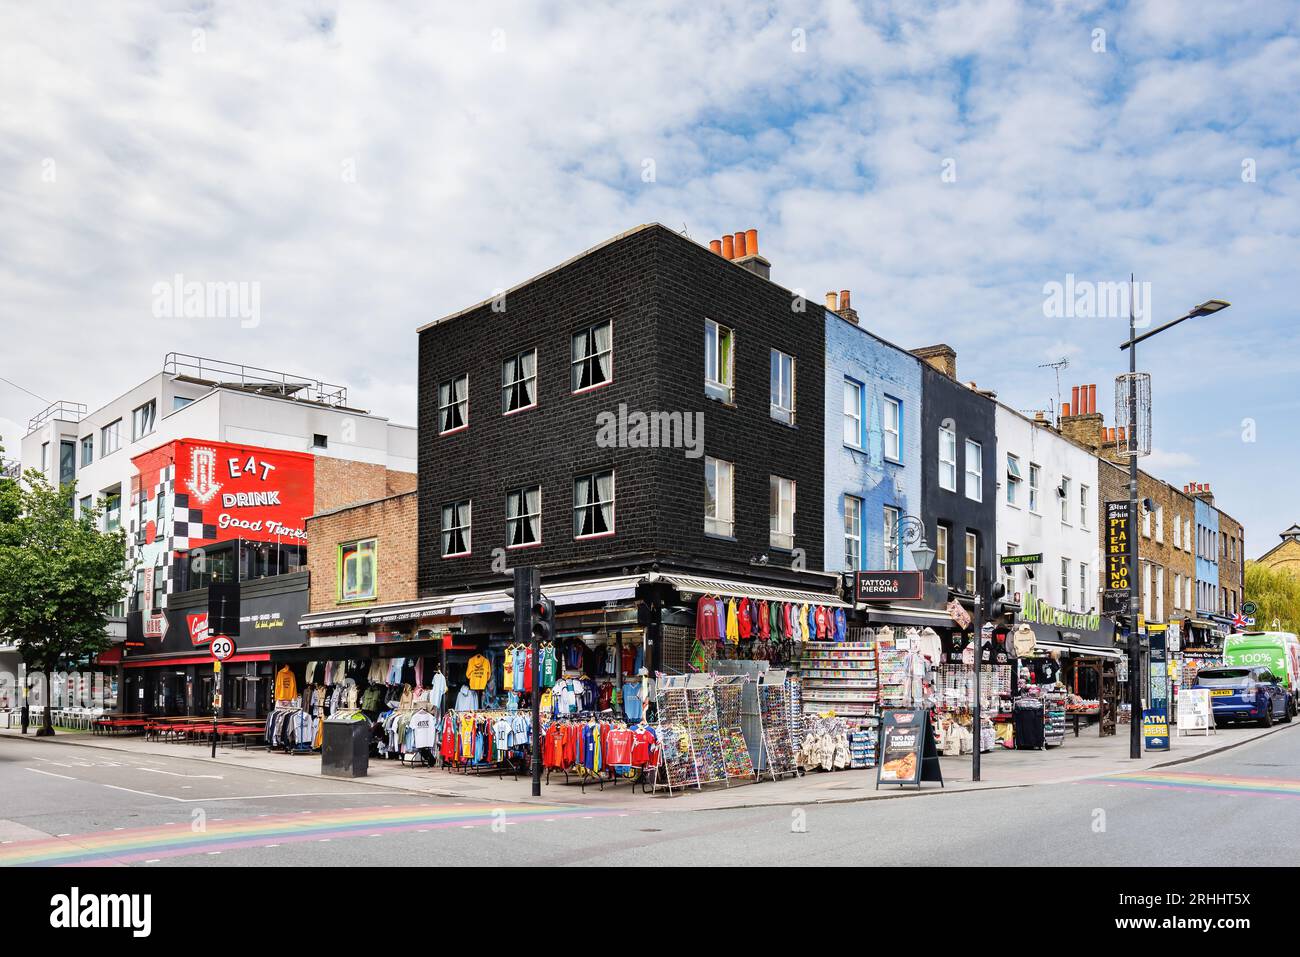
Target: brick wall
{"points": [[657, 288], [341, 482], [391, 521]]}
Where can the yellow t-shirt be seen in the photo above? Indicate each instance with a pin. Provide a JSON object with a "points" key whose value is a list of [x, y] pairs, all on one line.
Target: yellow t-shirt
{"points": [[477, 671], [508, 677]]}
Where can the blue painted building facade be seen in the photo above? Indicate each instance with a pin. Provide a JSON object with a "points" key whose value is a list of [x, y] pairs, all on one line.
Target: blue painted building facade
{"points": [[873, 446], [1207, 557]]}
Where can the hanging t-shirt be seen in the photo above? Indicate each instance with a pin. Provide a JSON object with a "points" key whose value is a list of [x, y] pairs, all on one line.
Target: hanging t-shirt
{"points": [[618, 747], [744, 623], [477, 671], [286, 685], [508, 670], [733, 626], [632, 700], [550, 666]]}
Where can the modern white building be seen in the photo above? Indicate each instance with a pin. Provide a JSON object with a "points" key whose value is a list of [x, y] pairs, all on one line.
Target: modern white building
{"points": [[199, 398], [1047, 502]]}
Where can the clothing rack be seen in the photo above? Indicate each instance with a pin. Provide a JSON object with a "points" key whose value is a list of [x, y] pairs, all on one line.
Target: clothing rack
{"points": [[453, 743]]}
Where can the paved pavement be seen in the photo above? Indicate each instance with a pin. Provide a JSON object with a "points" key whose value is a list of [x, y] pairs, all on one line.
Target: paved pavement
{"points": [[78, 804]]}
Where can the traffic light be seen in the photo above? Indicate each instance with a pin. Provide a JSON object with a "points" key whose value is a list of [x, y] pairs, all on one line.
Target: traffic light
{"points": [[543, 619], [998, 610]]}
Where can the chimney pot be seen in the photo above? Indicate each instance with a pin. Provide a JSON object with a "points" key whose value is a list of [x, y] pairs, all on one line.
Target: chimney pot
{"points": [[1074, 400], [740, 245], [715, 245], [1092, 398], [1065, 410], [751, 241], [844, 299], [728, 247], [831, 302]]}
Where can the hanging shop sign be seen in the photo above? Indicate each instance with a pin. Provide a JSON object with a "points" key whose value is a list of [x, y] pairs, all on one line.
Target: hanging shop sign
{"points": [[888, 586], [1011, 561], [198, 628], [1119, 528], [908, 753], [958, 614], [1087, 628]]}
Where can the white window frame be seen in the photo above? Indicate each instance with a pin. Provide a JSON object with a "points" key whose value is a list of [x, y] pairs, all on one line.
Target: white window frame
{"points": [[1160, 593], [1065, 584], [585, 358], [781, 512], [893, 430], [447, 401], [852, 394], [1035, 482], [144, 419], [365, 551], [1067, 489], [941, 549], [521, 382], [782, 387], [451, 524], [1009, 572], [891, 520], [947, 459], [596, 502], [1084, 590], [87, 445], [720, 475], [719, 374], [525, 521], [1160, 524], [976, 473], [110, 438], [1084, 498], [1014, 479], [972, 561], [852, 533], [1146, 591]]}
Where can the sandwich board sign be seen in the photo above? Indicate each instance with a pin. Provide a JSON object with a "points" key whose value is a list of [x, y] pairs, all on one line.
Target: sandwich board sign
{"points": [[908, 754], [1195, 712]]}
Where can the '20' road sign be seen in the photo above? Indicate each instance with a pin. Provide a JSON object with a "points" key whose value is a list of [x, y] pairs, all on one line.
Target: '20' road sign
{"points": [[222, 648]]}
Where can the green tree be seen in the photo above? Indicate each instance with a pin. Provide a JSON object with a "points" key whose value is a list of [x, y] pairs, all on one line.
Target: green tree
{"points": [[59, 577], [1276, 594]]}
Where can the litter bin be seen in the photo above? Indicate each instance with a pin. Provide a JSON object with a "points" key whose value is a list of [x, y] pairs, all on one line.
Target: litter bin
{"points": [[345, 745]]}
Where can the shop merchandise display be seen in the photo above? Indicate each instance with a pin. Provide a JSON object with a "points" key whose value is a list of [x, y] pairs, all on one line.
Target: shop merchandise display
{"points": [[706, 735], [891, 669], [677, 766], [777, 757], [1029, 722], [727, 692], [840, 676], [594, 747], [862, 748], [825, 743], [794, 693], [485, 740], [292, 728], [407, 731], [1054, 719], [759, 629]]}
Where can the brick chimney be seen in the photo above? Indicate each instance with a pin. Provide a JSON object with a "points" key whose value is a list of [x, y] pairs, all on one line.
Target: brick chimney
{"points": [[942, 357], [845, 311], [742, 249], [1200, 490], [1080, 420]]}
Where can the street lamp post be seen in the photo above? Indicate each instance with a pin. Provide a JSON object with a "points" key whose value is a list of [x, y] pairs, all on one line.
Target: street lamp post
{"points": [[1206, 308]]}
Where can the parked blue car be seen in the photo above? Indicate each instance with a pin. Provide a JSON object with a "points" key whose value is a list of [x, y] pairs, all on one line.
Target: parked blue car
{"points": [[1246, 694]]}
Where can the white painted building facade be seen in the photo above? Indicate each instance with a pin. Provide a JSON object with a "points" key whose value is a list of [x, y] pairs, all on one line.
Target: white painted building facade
{"points": [[1047, 502]]}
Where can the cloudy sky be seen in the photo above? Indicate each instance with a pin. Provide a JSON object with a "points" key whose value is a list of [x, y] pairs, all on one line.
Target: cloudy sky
{"points": [[373, 166]]}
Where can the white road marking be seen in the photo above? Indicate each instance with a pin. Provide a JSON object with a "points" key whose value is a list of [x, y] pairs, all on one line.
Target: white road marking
{"points": [[51, 774], [176, 774], [232, 797]]}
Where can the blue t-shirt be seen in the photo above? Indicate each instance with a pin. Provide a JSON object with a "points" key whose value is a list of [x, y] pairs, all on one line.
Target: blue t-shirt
{"points": [[631, 701]]}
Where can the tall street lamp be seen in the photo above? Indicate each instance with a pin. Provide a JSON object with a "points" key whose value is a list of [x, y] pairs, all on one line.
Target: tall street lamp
{"points": [[1209, 307]]}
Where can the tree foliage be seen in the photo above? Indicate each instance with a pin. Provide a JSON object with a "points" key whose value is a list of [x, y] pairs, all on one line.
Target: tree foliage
{"points": [[1276, 594], [59, 575]]}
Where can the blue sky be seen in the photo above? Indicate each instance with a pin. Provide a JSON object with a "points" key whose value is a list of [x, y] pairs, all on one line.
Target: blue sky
{"points": [[489, 142]]}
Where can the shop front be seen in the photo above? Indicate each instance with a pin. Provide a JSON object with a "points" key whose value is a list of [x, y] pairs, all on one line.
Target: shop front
{"points": [[169, 672]]}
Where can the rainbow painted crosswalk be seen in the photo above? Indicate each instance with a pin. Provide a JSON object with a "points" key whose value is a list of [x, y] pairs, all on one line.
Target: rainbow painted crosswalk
{"points": [[139, 845], [1232, 783]]}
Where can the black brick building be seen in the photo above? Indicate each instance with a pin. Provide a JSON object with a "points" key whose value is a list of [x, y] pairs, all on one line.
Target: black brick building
{"points": [[656, 289], [957, 491]]}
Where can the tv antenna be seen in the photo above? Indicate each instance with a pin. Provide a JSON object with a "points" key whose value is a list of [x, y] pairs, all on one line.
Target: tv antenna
{"points": [[1058, 365]]}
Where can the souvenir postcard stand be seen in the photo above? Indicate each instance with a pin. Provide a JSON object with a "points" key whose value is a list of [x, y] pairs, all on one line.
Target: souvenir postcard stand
{"points": [[776, 748], [727, 691]]}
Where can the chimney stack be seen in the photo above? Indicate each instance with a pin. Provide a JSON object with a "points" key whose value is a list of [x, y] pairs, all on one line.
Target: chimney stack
{"points": [[1079, 419], [832, 302], [941, 357], [741, 247], [846, 311]]}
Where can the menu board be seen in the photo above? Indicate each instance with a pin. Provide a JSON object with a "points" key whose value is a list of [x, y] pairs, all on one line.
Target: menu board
{"points": [[908, 754]]}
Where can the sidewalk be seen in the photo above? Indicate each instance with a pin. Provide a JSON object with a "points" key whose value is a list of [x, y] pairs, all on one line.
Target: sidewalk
{"points": [[1087, 756]]}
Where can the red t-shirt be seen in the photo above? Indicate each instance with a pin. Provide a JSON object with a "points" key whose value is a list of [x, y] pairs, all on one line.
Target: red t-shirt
{"points": [[618, 747]]}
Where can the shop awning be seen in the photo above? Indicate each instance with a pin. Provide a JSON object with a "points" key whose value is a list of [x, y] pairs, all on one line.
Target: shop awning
{"points": [[584, 592], [908, 615], [729, 588], [1086, 651], [202, 659], [335, 618]]}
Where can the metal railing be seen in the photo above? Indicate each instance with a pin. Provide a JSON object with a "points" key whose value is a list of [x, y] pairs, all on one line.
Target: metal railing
{"points": [[62, 410], [254, 379]]}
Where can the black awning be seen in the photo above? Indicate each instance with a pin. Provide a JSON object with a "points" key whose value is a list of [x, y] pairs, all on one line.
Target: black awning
{"points": [[360, 651]]}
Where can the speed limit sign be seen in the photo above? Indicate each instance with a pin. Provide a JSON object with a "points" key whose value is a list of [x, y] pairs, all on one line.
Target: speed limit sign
{"points": [[222, 648]]}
